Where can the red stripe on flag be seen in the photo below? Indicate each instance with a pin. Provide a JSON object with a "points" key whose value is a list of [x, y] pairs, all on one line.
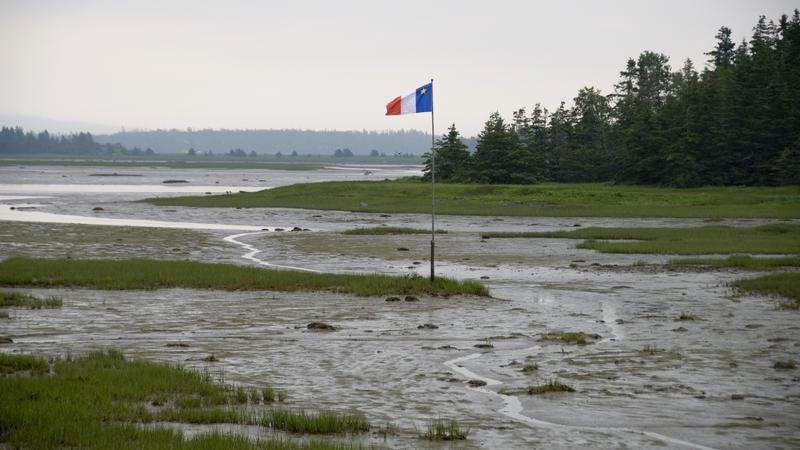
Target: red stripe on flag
{"points": [[393, 107]]}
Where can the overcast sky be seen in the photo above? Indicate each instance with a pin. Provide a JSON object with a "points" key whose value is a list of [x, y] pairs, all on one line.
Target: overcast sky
{"points": [[334, 64]]}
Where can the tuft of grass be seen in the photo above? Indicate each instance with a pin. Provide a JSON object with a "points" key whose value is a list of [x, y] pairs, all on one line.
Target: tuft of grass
{"points": [[530, 366], [240, 396], [410, 195], [28, 301], [269, 394], [648, 349], [322, 422], [549, 387], [19, 363], [779, 238], [376, 231], [445, 430], [687, 316], [740, 261], [575, 338], [785, 365], [281, 395], [155, 274], [785, 285]]}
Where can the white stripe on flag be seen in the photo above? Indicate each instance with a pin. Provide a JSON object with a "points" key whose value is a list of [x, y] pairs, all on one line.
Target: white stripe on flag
{"points": [[409, 103]]}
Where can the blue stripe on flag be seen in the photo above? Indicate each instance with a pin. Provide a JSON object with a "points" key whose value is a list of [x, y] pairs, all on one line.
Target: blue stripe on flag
{"points": [[425, 98]]}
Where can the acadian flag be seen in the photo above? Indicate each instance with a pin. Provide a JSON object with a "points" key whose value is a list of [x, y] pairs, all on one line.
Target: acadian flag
{"points": [[418, 101]]}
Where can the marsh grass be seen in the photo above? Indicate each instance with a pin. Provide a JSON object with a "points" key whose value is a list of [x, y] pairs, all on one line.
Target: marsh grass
{"points": [[18, 299], [322, 422], [530, 366], [156, 274], [648, 349], [785, 364], [98, 402], [687, 316], [19, 363], [739, 261], [547, 199], [575, 338], [445, 430], [551, 386], [785, 285], [376, 231], [780, 238]]}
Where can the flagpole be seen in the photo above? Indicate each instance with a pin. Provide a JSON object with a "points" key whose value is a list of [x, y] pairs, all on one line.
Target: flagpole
{"points": [[433, 186]]}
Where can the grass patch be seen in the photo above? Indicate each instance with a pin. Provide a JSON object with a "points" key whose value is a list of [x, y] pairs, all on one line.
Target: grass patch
{"points": [[552, 386], [785, 364], [445, 430], [98, 402], [322, 422], [154, 274], [574, 338], [740, 261], [373, 231], [19, 363], [720, 239], [410, 195], [785, 285], [28, 301]]}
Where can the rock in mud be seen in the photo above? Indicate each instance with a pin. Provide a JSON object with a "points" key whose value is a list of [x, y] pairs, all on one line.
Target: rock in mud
{"points": [[737, 397], [320, 326], [485, 277], [174, 181], [484, 346], [476, 383], [278, 229], [6, 340], [97, 208], [402, 249], [385, 215], [447, 347], [679, 329], [427, 326], [392, 299], [177, 344], [296, 229], [411, 298]]}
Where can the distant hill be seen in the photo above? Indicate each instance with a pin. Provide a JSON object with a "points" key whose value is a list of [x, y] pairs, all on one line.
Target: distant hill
{"points": [[273, 141]]}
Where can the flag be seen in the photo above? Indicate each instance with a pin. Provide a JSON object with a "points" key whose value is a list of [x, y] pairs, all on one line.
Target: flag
{"points": [[418, 101]]}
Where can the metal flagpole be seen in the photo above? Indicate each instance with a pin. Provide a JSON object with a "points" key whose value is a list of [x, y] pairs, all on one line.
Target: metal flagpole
{"points": [[433, 186]]}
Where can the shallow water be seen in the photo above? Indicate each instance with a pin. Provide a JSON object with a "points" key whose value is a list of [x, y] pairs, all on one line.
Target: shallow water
{"points": [[381, 363]]}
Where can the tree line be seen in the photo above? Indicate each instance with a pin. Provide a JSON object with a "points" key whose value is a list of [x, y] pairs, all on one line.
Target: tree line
{"points": [[736, 122], [15, 141]]}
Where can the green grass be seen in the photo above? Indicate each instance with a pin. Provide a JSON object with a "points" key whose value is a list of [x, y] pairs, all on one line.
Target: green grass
{"points": [[28, 301], [785, 285], [155, 274], [98, 402], [550, 199], [552, 386], [17, 363], [372, 231], [322, 422], [574, 338], [778, 238], [740, 261], [445, 430]]}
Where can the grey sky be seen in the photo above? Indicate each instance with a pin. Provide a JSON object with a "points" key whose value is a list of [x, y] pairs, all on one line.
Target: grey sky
{"points": [[333, 64]]}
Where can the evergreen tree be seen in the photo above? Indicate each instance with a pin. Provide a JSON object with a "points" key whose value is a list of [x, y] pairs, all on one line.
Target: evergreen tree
{"points": [[452, 158], [497, 145]]}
